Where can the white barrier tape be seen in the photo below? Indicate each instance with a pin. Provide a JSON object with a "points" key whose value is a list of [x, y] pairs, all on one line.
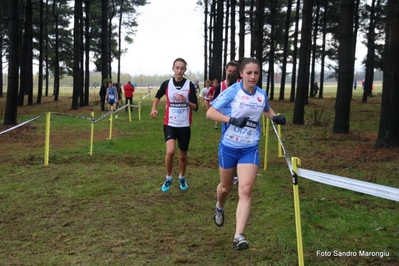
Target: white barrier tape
{"points": [[287, 158], [101, 117], [147, 95], [20, 125], [76, 116], [351, 184]]}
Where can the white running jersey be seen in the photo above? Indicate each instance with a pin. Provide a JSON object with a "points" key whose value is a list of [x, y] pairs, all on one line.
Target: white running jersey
{"points": [[237, 102], [177, 113]]}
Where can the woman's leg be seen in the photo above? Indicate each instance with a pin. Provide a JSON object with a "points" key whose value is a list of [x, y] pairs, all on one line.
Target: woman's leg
{"points": [[225, 185], [247, 174]]}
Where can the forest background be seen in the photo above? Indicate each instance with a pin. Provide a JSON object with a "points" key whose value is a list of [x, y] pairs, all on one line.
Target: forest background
{"points": [[285, 33]]}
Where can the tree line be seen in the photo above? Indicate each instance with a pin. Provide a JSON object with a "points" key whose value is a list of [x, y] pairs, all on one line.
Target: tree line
{"points": [[40, 32], [298, 36], [303, 34]]}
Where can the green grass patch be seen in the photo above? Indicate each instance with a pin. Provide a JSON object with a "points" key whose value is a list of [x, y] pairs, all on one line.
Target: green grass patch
{"points": [[108, 208]]}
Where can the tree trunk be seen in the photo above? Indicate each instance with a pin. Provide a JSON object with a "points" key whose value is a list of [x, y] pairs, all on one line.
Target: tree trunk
{"points": [[82, 93], [258, 35], [314, 47], [241, 34], [10, 116], [1, 49], [218, 41], [252, 28], [41, 40], [233, 30], [211, 40], [26, 84], [87, 52], [272, 52], [369, 73], [76, 55], [295, 52], [355, 30], [388, 134], [56, 89], [47, 47], [285, 50], [205, 40], [118, 79], [304, 62], [109, 42], [104, 41], [323, 50], [345, 68], [226, 37]]}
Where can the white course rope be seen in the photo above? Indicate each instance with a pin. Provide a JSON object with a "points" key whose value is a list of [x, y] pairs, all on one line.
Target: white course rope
{"points": [[351, 184], [381, 191], [20, 125]]}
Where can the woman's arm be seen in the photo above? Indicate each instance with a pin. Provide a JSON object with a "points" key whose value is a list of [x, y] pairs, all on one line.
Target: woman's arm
{"points": [[215, 115]]}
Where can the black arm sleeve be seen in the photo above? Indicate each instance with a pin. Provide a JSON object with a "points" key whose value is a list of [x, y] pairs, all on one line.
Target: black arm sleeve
{"points": [[162, 90], [193, 95]]}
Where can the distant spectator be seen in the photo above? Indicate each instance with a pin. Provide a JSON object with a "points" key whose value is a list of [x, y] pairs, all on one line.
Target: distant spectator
{"points": [[315, 89], [118, 87], [354, 84], [129, 89], [103, 93]]}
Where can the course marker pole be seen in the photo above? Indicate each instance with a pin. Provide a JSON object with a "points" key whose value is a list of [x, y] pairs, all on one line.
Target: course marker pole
{"points": [[139, 110], [110, 123], [293, 171], [295, 162], [92, 134], [263, 124], [47, 139], [280, 153], [266, 143], [130, 103]]}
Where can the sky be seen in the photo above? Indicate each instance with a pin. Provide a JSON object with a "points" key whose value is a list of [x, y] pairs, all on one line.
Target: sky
{"points": [[167, 29]]}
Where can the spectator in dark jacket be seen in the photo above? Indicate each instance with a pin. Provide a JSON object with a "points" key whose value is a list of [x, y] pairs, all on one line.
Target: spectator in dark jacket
{"points": [[103, 92]]}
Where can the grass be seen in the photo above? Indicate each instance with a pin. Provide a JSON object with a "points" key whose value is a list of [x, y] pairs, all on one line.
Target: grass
{"points": [[108, 209]]}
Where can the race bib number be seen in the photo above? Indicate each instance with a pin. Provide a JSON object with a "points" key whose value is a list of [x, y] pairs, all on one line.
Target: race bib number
{"points": [[243, 135]]}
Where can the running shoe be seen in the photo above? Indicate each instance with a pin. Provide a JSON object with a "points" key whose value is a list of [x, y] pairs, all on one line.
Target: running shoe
{"points": [[166, 185], [183, 183], [240, 243], [235, 180], [218, 217]]}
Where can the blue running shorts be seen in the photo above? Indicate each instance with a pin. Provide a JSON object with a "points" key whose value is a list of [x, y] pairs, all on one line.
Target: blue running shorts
{"points": [[230, 157]]}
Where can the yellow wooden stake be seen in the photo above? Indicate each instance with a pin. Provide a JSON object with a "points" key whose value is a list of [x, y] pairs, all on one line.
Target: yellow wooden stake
{"points": [[130, 111], [139, 110], [47, 139], [110, 122], [92, 134], [295, 163], [266, 143]]}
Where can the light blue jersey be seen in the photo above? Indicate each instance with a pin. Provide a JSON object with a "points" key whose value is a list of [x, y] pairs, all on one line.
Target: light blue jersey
{"points": [[237, 102]]}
